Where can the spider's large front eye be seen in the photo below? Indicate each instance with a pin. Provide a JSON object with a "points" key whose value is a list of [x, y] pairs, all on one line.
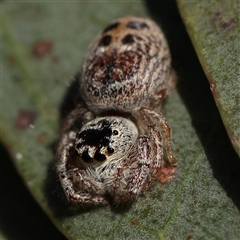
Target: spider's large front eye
{"points": [[105, 139]]}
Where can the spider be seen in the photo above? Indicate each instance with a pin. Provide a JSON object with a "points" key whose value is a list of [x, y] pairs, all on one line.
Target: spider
{"points": [[115, 142]]}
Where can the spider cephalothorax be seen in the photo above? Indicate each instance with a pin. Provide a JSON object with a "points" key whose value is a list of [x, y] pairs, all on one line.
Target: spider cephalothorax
{"points": [[119, 149]]}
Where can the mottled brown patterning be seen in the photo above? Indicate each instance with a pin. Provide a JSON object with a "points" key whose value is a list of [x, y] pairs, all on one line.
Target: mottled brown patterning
{"points": [[126, 66]]}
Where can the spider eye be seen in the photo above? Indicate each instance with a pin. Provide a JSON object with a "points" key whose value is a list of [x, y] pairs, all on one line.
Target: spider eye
{"points": [[86, 157], [110, 150], [99, 156], [99, 142], [115, 132]]}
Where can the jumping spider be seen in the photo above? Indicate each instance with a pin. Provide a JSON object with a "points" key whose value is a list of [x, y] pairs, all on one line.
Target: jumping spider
{"points": [[119, 148]]}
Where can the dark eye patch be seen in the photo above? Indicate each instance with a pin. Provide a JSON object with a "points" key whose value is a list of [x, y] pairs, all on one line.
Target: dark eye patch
{"points": [[86, 157], [99, 156], [128, 39], [110, 150], [111, 27], [115, 132], [105, 41], [137, 25]]}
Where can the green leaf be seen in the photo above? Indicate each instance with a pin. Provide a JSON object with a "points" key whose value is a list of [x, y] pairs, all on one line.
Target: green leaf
{"points": [[214, 30], [44, 43]]}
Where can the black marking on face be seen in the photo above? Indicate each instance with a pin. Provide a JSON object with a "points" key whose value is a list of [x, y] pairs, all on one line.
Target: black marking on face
{"points": [[128, 39], [111, 27], [99, 156], [105, 41], [110, 150], [77, 135], [139, 38], [104, 123], [96, 93], [115, 132], [96, 138], [86, 157], [137, 25], [105, 142]]}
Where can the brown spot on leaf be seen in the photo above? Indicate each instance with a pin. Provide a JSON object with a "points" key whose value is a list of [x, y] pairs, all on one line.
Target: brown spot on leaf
{"points": [[24, 119], [229, 24], [177, 150], [217, 21], [234, 141], [215, 17], [213, 87], [217, 14], [134, 222], [11, 60], [42, 48], [55, 59], [42, 137]]}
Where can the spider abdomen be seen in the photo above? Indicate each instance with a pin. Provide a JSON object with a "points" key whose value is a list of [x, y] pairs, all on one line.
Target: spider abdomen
{"points": [[128, 66]]}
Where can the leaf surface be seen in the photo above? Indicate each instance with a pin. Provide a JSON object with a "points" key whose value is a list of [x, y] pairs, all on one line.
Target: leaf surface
{"points": [[214, 30], [36, 88]]}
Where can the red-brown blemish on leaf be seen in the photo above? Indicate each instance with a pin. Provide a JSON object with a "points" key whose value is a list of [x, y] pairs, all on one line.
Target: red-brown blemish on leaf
{"points": [[24, 119], [11, 60], [213, 87], [42, 137], [217, 21], [228, 25], [234, 141], [217, 14], [177, 150], [134, 222], [215, 17], [42, 48], [55, 59]]}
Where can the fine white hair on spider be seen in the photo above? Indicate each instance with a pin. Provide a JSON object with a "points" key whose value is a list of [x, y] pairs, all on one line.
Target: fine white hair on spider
{"points": [[123, 144]]}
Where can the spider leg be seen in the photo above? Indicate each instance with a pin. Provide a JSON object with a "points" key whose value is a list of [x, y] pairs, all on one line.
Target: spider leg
{"points": [[80, 113], [138, 174], [158, 170], [69, 177], [166, 131], [146, 165], [157, 141]]}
